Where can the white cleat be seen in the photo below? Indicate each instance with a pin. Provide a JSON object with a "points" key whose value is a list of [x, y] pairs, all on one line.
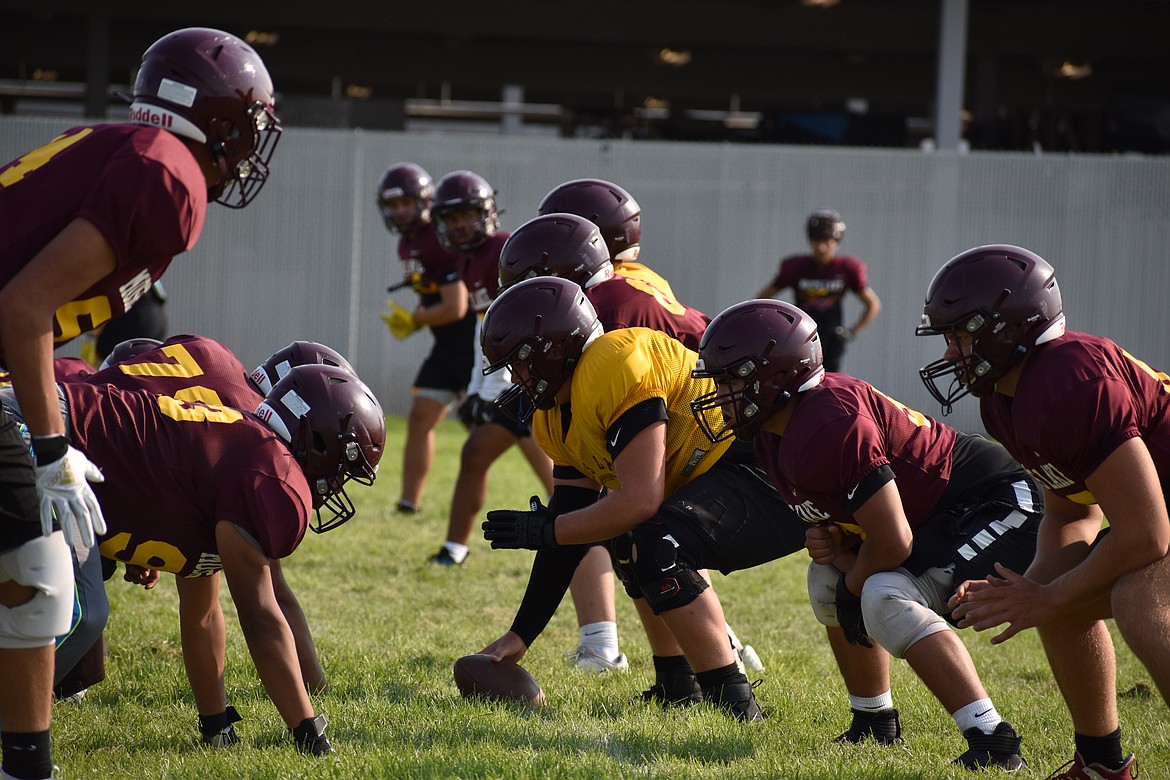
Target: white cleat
{"points": [[586, 659]]}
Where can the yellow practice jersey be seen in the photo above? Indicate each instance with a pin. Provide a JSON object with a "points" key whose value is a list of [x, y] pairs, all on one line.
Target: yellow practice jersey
{"points": [[617, 372], [640, 273]]}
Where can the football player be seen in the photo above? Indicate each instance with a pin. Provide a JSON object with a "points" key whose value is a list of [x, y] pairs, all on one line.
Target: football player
{"points": [[1091, 423], [571, 247], [404, 194], [612, 410], [88, 222], [819, 281], [232, 491], [191, 368], [468, 222], [900, 509]]}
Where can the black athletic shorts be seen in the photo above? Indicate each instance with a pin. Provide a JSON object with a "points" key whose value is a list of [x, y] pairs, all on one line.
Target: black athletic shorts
{"points": [[452, 358], [20, 509]]}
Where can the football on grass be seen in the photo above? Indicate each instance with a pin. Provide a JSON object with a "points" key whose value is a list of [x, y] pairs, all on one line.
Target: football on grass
{"points": [[479, 675]]}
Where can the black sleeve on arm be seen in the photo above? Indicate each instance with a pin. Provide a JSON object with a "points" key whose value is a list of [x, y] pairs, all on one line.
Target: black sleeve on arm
{"points": [[632, 422], [871, 483], [566, 472], [552, 571]]}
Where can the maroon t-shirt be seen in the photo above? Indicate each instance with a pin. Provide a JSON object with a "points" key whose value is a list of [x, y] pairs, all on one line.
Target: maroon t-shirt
{"points": [[139, 186], [190, 368], [173, 469], [1078, 399], [481, 273], [842, 444], [633, 303], [422, 253], [71, 369], [818, 289]]}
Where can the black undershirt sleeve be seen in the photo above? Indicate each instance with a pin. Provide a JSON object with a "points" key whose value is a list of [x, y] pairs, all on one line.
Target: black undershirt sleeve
{"points": [[552, 570]]}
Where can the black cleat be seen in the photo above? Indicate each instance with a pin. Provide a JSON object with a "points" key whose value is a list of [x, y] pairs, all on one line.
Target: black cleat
{"points": [[882, 727], [1000, 748], [737, 700]]}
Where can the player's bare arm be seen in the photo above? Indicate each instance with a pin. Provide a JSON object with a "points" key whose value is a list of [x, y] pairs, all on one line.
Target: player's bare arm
{"points": [[641, 469], [871, 305], [77, 258], [270, 641], [452, 306], [888, 538]]}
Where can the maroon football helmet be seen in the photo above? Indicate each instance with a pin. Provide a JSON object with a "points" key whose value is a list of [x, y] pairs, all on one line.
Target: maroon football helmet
{"points": [[605, 204], [825, 223], [128, 350], [538, 327], [760, 353], [298, 353], [563, 245], [459, 191], [406, 180], [211, 87], [336, 430], [1007, 299]]}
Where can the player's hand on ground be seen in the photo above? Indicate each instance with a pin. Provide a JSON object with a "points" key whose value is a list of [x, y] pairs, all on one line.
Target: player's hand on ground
{"points": [[140, 575], [509, 646], [1009, 598], [512, 529], [63, 476]]}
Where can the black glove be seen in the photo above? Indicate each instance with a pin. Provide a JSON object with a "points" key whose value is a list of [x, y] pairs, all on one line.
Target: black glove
{"points": [[475, 411], [310, 738], [217, 730], [511, 529], [849, 615]]}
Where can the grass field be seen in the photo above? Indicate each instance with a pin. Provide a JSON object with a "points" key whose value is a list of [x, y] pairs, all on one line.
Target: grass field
{"points": [[388, 628]]}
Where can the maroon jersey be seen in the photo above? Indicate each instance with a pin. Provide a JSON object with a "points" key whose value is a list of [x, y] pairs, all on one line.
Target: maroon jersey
{"points": [[190, 368], [818, 289], [844, 442], [422, 253], [173, 469], [623, 302], [482, 272], [139, 186], [71, 369], [1078, 399]]}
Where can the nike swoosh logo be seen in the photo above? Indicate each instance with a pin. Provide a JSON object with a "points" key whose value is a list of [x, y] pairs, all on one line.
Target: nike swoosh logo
{"points": [[613, 442], [849, 495], [981, 714]]}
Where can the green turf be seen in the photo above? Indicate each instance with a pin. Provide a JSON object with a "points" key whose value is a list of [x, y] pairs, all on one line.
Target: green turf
{"points": [[389, 627]]}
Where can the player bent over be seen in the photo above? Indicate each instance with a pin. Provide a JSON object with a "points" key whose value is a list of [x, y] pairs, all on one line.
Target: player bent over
{"points": [[612, 409], [901, 508]]}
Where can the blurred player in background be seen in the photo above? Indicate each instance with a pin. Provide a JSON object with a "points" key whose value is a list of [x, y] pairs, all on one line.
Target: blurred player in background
{"points": [[465, 207], [819, 281], [87, 223], [1091, 423], [436, 274]]}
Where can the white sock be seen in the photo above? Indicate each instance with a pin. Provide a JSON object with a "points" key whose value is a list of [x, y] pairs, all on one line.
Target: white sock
{"points": [[601, 637], [883, 701], [979, 713], [458, 551], [732, 637]]}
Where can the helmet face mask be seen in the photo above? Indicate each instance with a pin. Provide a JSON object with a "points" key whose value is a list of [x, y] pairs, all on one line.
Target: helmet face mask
{"points": [[760, 354], [405, 182], [336, 430], [615, 212], [464, 191], [993, 304], [538, 328], [561, 245], [212, 88]]}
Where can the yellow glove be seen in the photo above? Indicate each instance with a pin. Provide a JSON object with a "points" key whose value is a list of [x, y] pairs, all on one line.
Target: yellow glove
{"points": [[400, 322]]}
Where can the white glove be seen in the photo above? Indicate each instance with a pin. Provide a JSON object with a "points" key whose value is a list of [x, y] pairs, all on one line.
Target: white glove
{"points": [[64, 491]]}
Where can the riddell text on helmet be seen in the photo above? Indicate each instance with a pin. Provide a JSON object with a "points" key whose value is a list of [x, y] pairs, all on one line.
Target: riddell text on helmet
{"points": [[143, 115]]}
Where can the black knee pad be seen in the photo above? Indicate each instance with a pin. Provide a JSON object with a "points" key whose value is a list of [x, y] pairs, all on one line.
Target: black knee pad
{"points": [[661, 569]]}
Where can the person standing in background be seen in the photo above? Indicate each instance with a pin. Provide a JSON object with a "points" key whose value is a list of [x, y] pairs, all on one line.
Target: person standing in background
{"points": [[819, 281], [404, 200]]}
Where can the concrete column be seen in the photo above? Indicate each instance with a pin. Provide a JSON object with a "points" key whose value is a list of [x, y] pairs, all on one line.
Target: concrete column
{"points": [[952, 59]]}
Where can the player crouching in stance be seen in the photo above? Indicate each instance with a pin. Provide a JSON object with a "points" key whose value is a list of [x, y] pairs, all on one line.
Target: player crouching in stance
{"points": [[900, 507], [612, 409], [1092, 423]]}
